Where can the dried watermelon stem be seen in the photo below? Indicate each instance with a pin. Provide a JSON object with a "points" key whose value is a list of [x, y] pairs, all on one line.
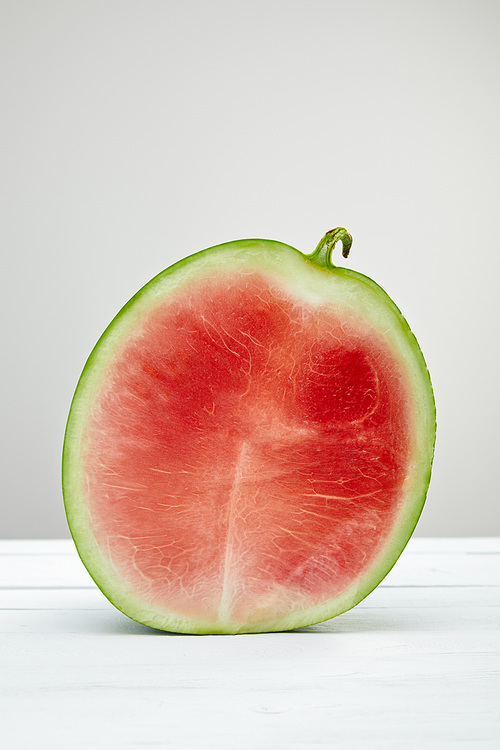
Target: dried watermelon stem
{"points": [[322, 256]]}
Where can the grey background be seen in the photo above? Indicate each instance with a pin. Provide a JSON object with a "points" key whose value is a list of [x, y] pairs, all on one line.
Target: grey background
{"points": [[135, 133]]}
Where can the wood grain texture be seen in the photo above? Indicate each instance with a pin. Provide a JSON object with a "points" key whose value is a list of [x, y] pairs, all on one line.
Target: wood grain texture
{"points": [[417, 663]]}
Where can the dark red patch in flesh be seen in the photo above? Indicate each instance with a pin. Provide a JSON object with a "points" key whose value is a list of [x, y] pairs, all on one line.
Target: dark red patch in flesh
{"points": [[246, 455]]}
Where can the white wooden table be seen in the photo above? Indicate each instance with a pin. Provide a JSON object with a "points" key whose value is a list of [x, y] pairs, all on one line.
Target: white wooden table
{"points": [[416, 665]]}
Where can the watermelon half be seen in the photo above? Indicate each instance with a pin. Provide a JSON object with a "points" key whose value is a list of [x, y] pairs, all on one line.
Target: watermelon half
{"points": [[250, 443]]}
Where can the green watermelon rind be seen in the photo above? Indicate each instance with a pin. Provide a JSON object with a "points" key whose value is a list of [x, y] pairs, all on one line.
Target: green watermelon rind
{"points": [[296, 271]]}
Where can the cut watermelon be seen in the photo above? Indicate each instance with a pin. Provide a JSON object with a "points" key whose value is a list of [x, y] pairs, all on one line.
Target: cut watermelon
{"points": [[250, 443]]}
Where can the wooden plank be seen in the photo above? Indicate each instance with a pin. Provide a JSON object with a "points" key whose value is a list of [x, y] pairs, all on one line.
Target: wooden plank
{"points": [[445, 569], [37, 547], [412, 569], [382, 688], [415, 665], [463, 597], [416, 545], [476, 621], [51, 570], [467, 545]]}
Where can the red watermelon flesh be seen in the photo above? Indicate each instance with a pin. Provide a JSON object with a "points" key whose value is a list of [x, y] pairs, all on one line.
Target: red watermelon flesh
{"points": [[245, 457]]}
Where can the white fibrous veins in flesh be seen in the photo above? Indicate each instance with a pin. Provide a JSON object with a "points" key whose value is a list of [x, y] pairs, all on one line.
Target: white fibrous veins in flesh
{"points": [[247, 451]]}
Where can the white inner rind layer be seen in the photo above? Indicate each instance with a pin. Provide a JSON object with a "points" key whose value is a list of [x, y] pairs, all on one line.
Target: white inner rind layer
{"points": [[293, 271]]}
